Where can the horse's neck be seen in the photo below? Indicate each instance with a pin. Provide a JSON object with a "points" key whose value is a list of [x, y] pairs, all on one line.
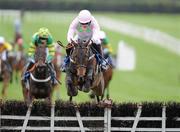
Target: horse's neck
{"points": [[40, 53], [41, 74]]}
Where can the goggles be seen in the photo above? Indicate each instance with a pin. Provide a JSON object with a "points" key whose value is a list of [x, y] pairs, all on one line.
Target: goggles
{"points": [[86, 23]]}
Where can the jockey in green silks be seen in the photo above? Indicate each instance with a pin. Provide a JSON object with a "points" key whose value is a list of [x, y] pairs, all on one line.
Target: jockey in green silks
{"points": [[38, 38]]}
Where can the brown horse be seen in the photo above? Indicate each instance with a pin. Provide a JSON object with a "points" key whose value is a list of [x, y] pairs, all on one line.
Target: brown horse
{"points": [[5, 76], [17, 60], [40, 83], [107, 78], [81, 59]]}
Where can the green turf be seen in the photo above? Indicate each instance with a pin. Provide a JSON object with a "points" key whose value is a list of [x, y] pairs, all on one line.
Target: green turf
{"points": [[156, 77], [169, 23]]}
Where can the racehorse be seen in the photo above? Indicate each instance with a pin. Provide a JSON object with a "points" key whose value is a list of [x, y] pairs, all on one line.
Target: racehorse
{"points": [[81, 58], [40, 83], [17, 61], [17, 58], [5, 76], [107, 78]]}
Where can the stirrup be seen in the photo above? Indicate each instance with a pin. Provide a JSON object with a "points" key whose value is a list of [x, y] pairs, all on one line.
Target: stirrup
{"points": [[104, 67]]}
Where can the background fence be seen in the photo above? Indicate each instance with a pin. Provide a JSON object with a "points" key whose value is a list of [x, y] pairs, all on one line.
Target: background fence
{"points": [[100, 5]]}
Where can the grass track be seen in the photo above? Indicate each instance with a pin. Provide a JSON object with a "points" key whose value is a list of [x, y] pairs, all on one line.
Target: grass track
{"points": [[156, 77]]}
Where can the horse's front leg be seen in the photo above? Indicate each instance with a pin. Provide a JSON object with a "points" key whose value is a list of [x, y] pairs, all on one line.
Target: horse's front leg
{"points": [[71, 89], [29, 98], [97, 97], [5, 86]]}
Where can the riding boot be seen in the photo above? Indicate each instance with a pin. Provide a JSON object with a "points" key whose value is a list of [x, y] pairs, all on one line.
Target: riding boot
{"points": [[26, 74], [53, 74], [100, 57], [65, 64], [66, 61]]}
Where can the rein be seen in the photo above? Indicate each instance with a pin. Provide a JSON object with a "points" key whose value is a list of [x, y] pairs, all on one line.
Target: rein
{"points": [[32, 68], [40, 80]]}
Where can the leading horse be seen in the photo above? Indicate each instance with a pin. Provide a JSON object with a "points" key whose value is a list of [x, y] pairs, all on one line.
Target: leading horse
{"points": [[40, 81], [83, 65]]}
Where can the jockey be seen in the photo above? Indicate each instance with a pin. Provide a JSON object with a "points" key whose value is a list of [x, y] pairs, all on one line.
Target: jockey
{"points": [[85, 27], [18, 32], [5, 47], [43, 35], [107, 48]]}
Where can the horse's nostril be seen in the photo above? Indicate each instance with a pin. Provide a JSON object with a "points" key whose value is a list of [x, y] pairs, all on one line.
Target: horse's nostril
{"points": [[81, 79]]}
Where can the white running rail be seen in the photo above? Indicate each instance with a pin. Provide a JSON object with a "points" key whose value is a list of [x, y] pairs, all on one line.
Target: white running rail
{"points": [[107, 119]]}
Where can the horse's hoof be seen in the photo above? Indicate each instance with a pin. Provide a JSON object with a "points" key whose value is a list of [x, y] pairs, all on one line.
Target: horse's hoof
{"points": [[92, 96], [107, 103]]}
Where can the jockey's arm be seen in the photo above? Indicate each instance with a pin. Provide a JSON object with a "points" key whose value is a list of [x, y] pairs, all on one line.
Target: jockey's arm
{"points": [[32, 46], [51, 49], [72, 30], [31, 49], [96, 29]]}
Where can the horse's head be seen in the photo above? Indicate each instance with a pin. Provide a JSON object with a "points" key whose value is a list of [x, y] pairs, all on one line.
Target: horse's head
{"points": [[80, 57], [40, 58]]}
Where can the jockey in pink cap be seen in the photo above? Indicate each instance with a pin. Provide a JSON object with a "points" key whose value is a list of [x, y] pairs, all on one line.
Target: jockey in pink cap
{"points": [[85, 27]]}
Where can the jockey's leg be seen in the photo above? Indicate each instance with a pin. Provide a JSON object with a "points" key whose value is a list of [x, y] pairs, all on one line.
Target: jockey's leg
{"points": [[26, 75], [53, 73], [100, 59], [66, 60], [111, 61]]}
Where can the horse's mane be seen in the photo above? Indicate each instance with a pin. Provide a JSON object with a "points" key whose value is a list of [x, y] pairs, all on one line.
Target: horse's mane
{"points": [[40, 52]]}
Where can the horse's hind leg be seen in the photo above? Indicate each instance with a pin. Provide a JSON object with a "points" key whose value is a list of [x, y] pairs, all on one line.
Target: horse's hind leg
{"points": [[4, 89], [97, 97], [107, 94]]}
